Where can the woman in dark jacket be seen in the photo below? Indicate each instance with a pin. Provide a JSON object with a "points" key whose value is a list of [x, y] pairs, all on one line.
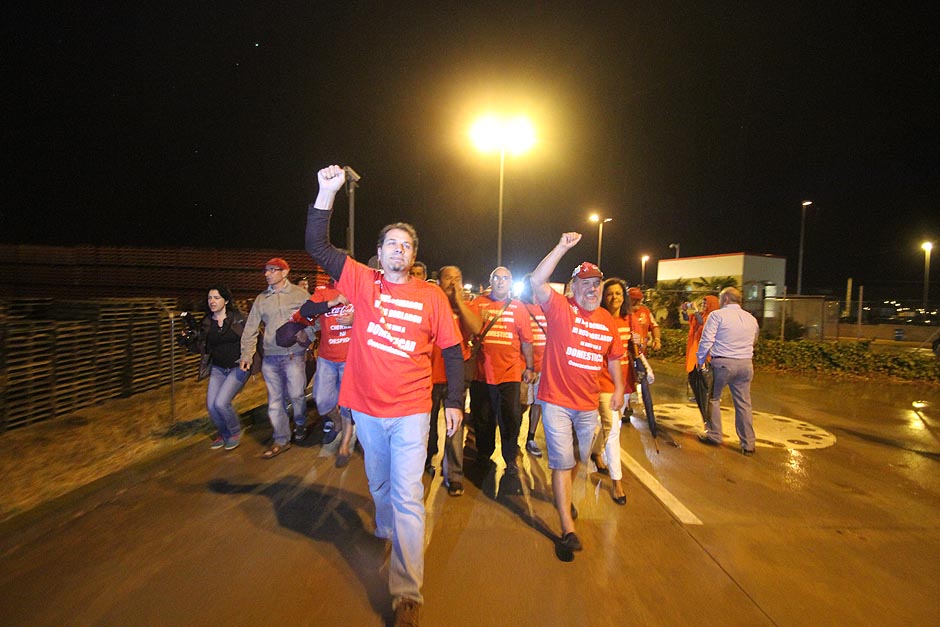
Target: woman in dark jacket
{"points": [[221, 347]]}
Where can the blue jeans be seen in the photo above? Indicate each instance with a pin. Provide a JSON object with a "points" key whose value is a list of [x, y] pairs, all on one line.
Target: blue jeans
{"points": [[224, 385], [737, 375], [394, 457], [285, 378], [326, 384]]}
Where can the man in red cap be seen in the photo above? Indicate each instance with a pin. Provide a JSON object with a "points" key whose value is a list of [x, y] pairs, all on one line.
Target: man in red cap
{"points": [[642, 322], [582, 338], [282, 367]]}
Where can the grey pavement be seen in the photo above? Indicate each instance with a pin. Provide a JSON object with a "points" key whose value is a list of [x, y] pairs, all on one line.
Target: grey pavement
{"points": [[840, 530]]}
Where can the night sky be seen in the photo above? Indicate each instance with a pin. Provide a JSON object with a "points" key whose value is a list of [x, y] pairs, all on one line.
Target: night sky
{"points": [[203, 124]]}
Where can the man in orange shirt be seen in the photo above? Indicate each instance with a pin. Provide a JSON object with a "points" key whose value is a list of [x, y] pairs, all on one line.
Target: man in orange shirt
{"points": [[505, 348], [642, 323]]}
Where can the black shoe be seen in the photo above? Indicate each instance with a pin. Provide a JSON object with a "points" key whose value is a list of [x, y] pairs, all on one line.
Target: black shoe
{"points": [[455, 488], [330, 432], [704, 439], [746, 452], [604, 470], [429, 469], [512, 471], [570, 542], [300, 433], [620, 500]]}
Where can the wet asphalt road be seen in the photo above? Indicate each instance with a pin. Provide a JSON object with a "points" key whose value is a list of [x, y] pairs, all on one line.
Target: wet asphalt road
{"points": [[848, 534]]}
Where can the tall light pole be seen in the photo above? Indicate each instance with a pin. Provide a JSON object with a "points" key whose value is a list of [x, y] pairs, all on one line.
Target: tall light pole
{"points": [[515, 135], [643, 261], [600, 234], [676, 246], [927, 246], [799, 266], [352, 182]]}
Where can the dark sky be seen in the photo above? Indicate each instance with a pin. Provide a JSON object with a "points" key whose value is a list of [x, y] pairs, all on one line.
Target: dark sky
{"points": [[203, 124]]}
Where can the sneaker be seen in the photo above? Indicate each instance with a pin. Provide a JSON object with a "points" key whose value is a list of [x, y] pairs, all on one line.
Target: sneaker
{"points": [[329, 432], [533, 448], [570, 542], [300, 433], [406, 613], [704, 439], [217, 443], [455, 488], [233, 442]]}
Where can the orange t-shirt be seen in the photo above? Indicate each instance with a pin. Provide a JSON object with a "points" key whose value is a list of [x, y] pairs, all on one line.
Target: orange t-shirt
{"points": [[536, 324], [498, 360], [626, 364], [579, 345], [388, 366], [641, 320], [334, 337]]}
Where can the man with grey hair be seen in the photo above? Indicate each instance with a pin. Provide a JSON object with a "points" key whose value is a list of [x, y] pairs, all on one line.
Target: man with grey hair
{"points": [[728, 338]]}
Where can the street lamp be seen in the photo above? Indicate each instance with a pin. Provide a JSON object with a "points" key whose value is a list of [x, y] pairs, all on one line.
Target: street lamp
{"points": [[676, 246], [643, 261], [352, 182], [799, 267], [600, 233], [927, 246], [516, 135]]}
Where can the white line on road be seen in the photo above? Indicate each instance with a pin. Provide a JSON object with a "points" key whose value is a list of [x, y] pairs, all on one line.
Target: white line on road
{"points": [[665, 497]]}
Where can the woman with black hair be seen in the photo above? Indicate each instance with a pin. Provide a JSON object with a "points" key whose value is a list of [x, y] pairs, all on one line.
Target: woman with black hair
{"points": [[220, 346], [606, 449]]}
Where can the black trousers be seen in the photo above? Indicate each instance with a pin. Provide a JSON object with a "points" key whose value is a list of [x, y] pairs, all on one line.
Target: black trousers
{"points": [[492, 406]]}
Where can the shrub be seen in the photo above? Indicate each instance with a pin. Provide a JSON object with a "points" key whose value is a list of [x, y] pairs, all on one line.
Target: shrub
{"points": [[827, 357]]}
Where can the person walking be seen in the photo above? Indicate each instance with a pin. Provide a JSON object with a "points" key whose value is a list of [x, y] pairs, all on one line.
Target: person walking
{"points": [[283, 368], [387, 384], [582, 338], [728, 337]]}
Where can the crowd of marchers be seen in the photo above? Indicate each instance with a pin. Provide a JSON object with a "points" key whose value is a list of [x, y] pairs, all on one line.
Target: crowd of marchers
{"points": [[385, 350]]}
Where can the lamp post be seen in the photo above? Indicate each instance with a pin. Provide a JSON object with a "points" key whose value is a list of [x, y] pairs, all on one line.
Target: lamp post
{"points": [[352, 182], [516, 135], [927, 246], [799, 266], [676, 246], [600, 234], [643, 261]]}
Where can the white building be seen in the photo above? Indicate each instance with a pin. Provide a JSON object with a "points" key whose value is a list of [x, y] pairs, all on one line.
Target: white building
{"points": [[758, 276]]}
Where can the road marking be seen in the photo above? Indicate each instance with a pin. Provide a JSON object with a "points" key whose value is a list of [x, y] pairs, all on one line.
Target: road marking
{"points": [[674, 505]]}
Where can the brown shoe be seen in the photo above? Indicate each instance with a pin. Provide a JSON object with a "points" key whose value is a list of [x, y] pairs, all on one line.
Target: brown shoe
{"points": [[406, 613]]}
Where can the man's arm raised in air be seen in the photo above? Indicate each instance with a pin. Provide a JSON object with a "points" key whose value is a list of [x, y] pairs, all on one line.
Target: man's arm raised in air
{"points": [[543, 272], [317, 237]]}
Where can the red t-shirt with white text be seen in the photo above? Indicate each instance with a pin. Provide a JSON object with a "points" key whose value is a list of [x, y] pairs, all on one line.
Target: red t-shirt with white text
{"points": [[388, 366], [498, 360], [579, 345], [334, 337]]}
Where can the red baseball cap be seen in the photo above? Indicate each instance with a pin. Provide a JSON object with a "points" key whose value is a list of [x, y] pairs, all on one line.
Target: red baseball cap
{"points": [[277, 262], [635, 292], [587, 270]]}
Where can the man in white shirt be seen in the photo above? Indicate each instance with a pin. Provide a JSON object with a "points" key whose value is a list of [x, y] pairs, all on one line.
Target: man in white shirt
{"points": [[729, 337]]}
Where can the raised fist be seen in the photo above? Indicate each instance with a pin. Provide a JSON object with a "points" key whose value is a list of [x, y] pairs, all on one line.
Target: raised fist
{"points": [[331, 178], [568, 240]]}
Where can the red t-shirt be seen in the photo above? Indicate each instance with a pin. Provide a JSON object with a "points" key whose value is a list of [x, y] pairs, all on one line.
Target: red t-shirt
{"points": [[642, 321], [538, 335], [438, 372], [499, 358], [579, 345], [389, 360], [626, 364], [334, 337]]}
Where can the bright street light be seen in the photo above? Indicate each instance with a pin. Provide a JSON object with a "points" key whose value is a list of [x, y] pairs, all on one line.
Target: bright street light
{"points": [[643, 261], [676, 246], [799, 267], [927, 246], [514, 135], [600, 234]]}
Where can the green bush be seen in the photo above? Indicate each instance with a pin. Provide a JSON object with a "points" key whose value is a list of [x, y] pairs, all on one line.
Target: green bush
{"points": [[849, 358]]}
